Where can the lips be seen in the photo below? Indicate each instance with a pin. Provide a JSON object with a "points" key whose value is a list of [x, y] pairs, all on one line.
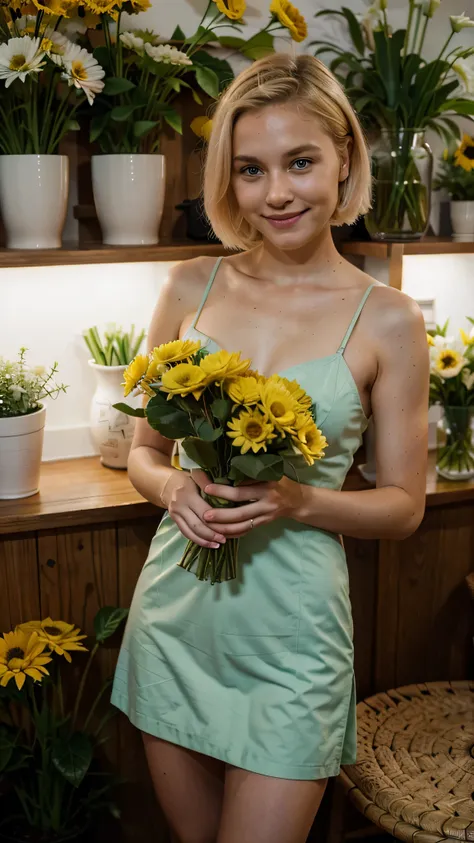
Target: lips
{"points": [[285, 220]]}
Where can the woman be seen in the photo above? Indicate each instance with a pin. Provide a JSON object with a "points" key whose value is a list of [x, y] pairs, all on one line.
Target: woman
{"points": [[244, 691]]}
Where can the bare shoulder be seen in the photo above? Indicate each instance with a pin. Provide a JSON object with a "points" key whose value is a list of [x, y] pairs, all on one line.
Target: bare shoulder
{"points": [[397, 323], [187, 280]]}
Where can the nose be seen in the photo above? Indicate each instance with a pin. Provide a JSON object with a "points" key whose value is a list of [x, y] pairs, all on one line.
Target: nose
{"points": [[279, 191]]}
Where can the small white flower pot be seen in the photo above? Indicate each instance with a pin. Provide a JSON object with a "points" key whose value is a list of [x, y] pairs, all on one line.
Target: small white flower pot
{"points": [[462, 221], [111, 430], [129, 192], [21, 449], [33, 199]]}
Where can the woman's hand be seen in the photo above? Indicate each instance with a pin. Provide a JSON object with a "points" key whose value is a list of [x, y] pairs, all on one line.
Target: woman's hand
{"points": [[186, 507], [266, 502]]}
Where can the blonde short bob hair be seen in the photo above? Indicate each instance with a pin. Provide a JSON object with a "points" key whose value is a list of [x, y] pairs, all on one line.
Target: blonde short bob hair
{"points": [[280, 78]]}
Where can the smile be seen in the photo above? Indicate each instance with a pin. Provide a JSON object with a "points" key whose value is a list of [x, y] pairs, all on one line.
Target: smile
{"points": [[285, 220]]}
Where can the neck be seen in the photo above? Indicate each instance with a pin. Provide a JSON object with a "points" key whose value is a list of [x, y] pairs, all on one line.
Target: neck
{"points": [[308, 263]]}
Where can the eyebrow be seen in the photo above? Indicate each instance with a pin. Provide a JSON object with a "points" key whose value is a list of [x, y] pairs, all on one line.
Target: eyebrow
{"points": [[298, 150]]}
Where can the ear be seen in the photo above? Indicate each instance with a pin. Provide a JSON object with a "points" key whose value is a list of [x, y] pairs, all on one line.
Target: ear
{"points": [[346, 160]]}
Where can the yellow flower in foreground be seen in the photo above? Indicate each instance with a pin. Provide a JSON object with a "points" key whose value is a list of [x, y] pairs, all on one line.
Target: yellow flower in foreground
{"points": [[430, 340], [251, 431], [134, 372], [290, 18], [223, 364], [21, 656], [57, 635], [309, 439], [464, 155], [101, 7], [243, 390], [202, 126], [184, 379], [134, 7], [61, 8], [279, 405], [448, 362], [175, 351], [296, 391], [468, 339], [232, 9]]}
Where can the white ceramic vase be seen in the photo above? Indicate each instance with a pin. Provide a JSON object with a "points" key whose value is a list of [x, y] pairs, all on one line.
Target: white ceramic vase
{"points": [[129, 192], [21, 449], [111, 430], [33, 199], [462, 221]]}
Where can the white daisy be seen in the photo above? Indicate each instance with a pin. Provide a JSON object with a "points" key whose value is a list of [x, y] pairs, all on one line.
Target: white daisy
{"points": [[19, 57], [55, 44], [83, 71], [133, 42], [167, 54]]}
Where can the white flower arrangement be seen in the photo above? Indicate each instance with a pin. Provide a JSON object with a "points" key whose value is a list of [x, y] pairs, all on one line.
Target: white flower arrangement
{"points": [[23, 387]]}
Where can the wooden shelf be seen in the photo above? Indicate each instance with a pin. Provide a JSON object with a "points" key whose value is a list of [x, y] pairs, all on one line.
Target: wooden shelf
{"points": [[82, 491], [427, 246], [73, 254]]}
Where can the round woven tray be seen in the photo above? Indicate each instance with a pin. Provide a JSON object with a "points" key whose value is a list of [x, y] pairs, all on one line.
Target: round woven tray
{"points": [[414, 776]]}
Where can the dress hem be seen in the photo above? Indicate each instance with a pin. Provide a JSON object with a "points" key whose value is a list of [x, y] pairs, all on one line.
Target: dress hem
{"points": [[252, 763]]}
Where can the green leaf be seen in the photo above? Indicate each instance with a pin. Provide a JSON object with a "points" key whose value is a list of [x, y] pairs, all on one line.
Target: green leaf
{"points": [[174, 120], [115, 85], [355, 30], [98, 125], [202, 453], [142, 127], [232, 41], [107, 621], [175, 83], [196, 97], [178, 35], [221, 67], [460, 106], [72, 757], [259, 467], [259, 46], [208, 80], [138, 412], [72, 126], [206, 431], [167, 419], [221, 409], [122, 112]]}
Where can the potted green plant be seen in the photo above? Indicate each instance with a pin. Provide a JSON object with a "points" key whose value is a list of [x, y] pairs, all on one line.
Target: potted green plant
{"points": [[456, 177], [399, 95], [452, 388], [111, 430], [52, 782], [44, 79], [23, 389]]}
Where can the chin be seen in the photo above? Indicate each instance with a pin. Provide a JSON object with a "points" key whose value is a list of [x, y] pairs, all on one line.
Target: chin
{"points": [[292, 240]]}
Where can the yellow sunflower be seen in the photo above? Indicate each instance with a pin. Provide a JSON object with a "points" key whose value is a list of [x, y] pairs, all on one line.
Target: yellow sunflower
{"points": [[223, 364], [134, 7], [430, 340], [184, 379], [296, 391], [279, 405], [232, 9], [250, 431], [309, 439], [447, 362], [57, 635], [243, 390], [468, 339], [21, 656], [101, 7], [175, 351], [202, 126], [134, 373], [61, 8], [290, 18], [464, 155]]}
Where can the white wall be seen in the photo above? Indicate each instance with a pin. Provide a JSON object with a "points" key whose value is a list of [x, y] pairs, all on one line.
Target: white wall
{"points": [[47, 308]]}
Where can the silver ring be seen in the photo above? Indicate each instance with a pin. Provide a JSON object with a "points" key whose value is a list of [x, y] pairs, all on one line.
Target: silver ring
{"points": [[251, 523]]}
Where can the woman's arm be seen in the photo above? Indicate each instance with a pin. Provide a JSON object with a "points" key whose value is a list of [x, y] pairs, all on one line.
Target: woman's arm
{"points": [[399, 400]]}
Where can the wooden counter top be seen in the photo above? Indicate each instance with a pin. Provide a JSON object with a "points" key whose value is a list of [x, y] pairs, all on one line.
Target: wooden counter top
{"points": [[82, 491]]}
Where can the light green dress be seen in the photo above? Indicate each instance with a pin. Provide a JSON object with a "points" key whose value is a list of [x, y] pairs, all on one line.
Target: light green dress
{"points": [[257, 671]]}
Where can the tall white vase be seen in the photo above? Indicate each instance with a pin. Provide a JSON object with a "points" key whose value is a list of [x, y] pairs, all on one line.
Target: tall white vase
{"points": [[111, 430], [21, 449], [33, 199], [129, 192], [462, 221]]}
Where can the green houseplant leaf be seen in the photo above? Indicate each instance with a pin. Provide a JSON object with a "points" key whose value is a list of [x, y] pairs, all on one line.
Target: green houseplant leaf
{"points": [[107, 621], [72, 757]]}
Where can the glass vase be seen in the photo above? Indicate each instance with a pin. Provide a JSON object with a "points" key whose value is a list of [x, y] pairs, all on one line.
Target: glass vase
{"points": [[402, 169], [455, 444]]}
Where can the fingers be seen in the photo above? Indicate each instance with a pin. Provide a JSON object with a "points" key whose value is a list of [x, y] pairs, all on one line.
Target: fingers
{"points": [[233, 514], [197, 532], [200, 477], [236, 494], [234, 531]]}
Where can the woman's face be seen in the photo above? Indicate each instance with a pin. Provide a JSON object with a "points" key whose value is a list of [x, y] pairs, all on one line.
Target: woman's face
{"points": [[285, 174]]}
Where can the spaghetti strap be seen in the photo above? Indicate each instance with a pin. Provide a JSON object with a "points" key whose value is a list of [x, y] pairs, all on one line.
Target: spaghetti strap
{"points": [[351, 327], [206, 291]]}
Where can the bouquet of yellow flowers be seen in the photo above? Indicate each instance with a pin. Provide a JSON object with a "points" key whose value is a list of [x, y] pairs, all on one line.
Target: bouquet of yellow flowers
{"points": [[226, 419]]}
